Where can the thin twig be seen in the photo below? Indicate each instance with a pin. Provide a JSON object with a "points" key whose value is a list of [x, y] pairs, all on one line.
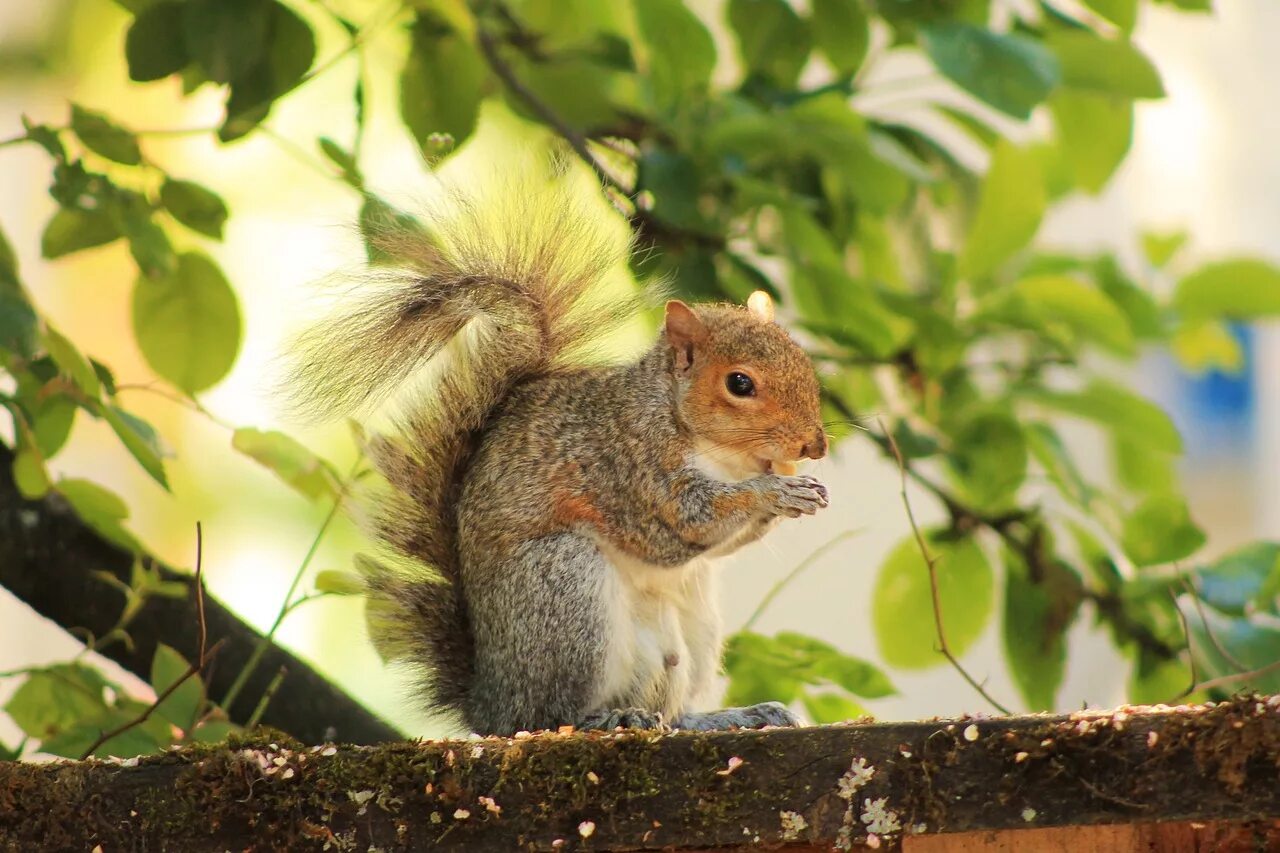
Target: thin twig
{"points": [[548, 116], [182, 400], [377, 21], [1191, 655], [265, 643], [1237, 677], [267, 695], [931, 563], [1204, 620], [307, 599], [795, 573], [300, 155], [205, 654]]}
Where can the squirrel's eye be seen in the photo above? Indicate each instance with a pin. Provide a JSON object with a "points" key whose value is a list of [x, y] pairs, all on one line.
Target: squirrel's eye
{"points": [[740, 385]]}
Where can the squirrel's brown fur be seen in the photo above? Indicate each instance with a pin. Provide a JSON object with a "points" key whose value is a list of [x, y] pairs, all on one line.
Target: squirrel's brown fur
{"points": [[540, 510]]}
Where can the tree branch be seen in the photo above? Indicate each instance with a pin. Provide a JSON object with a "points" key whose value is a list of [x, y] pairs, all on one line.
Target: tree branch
{"points": [[931, 563], [48, 559], [684, 791], [548, 116]]}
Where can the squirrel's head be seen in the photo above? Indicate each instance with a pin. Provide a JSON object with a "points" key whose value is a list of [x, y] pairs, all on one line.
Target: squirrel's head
{"points": [[749, 392]]}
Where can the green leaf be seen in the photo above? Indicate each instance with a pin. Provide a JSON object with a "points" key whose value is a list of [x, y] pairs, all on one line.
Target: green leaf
{"points": [[71, 362], [188, 324], [104, 376], [989, 458], [759, 671], [1047, 448], [841, 32], [1106, 66], [148, 242], [291, 48], [1190, 5], [1207, 345], [381, 224], [344, 160], [672, 180], [825, 708], [681, 51], [1085, 310], [1009, 210], [1145, 316], [1160, 530], [1152, 682], [902, 604], [140, 439], [13, 753], [195, 206], [53, 699], [609, 50], [1118, 409], [1250, 642], [1160, 248], [773, 40], [105, 138], [442, 83], [1232, 581], [1267, 598], [978, 128], [291, 462], [1036, 619], [9, 283], [18, 324], [146, 737], [1122, 13], [844, 309], [227, 38], [765, 669], [101, 509], [154, 45], [1094, 134], [72, 229], [29, 473], [1142, 469], [337, 582], [212, 731], [183, 706], [1010, 72], [1237, 290], [51, 421], [825, 662]]}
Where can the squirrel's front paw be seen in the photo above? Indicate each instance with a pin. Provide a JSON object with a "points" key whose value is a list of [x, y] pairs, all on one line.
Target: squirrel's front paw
{"points": [[795, 496]]}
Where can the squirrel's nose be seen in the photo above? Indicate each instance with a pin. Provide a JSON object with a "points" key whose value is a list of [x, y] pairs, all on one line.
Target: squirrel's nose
{"points": [[816, 448]]}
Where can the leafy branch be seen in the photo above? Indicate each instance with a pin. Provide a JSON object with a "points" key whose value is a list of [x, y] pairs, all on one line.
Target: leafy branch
{"points": [[931, 564], [205, 655], [289, 604]]}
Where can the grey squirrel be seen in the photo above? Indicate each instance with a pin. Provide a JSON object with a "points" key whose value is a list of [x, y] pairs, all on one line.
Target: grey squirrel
{"points": [[549, 519]]}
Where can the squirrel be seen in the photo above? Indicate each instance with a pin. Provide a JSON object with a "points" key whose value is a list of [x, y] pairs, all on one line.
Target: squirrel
{"points": [[549, 517]]}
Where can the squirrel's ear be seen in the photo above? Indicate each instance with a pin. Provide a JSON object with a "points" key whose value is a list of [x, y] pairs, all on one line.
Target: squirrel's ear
{"points": [[760, 306], [685, 331]]}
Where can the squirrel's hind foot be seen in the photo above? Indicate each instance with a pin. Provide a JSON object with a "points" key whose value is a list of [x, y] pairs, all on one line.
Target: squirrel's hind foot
{"points": [[627, 718], [749, 717]]}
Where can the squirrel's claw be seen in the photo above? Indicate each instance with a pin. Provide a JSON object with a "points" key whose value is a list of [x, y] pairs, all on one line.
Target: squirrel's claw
{"points": [[627, 718], [797, 495]]}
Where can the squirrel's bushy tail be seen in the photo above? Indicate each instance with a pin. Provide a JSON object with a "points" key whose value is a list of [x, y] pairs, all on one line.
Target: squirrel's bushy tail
{"points": [[488, 294]]}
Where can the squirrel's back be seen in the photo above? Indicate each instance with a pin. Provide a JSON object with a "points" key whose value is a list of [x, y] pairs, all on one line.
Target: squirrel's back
{"points": [[489, 294]]}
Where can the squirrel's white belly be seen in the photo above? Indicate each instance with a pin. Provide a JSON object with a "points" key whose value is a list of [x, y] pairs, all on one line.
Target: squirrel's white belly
{"points": [[665, 632]]}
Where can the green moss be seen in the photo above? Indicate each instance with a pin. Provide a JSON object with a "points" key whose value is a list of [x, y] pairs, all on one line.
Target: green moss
{"points": [[288, 797]]}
